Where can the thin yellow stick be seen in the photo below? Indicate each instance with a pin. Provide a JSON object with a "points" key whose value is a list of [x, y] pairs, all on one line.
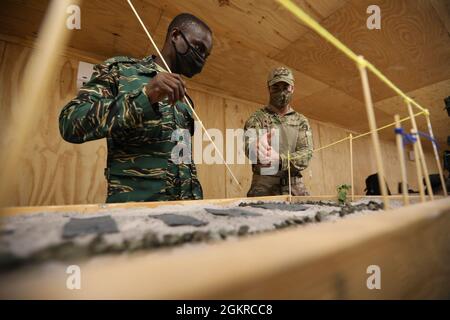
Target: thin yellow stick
{"points": [[401, 157], [389, 125], [36, 78], [418, 169], [436, 155], [351, 167], [289, 176], [421, 153], [331, 144], [185, 98], [365, 133], [373, 126]]}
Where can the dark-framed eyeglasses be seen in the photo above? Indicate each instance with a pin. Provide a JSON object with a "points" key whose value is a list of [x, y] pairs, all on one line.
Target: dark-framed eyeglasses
{"points": [[202, 56]]}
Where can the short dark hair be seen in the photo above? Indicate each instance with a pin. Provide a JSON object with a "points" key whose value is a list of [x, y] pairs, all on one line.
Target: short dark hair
{"points": [[183, 20]]}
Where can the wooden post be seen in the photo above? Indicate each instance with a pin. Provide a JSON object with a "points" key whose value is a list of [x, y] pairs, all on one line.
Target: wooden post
{"points": [[436, 154], [289, 176], [36, 78], [401, 157], [420, 151], [418, 169], [351, 166], [373, 129]]}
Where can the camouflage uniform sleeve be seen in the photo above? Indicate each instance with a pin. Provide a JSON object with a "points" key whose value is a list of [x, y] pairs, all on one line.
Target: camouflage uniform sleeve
{"points": [[303, 150], [251, 123], [100, 110]]}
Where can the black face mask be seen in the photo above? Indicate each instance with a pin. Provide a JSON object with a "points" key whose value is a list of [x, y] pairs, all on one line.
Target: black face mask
{"points": [[189, 63]]}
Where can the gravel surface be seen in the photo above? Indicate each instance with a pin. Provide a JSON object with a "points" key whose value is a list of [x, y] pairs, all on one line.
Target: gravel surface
{"points": [[39, 237]]}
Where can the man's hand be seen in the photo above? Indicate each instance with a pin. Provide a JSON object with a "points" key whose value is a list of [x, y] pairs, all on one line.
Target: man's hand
{"points": [[266, 154], [163, 85]]}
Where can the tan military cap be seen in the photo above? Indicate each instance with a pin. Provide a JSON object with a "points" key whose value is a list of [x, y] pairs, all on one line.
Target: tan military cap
{"points": [[280, 74]]}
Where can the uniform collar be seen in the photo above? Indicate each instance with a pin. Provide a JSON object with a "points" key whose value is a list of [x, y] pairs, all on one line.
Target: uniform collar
{"points": [[151, 61], [269, 110]]}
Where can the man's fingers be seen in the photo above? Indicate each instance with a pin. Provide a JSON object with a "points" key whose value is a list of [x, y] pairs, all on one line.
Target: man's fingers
{"points": [[168, 85], [174, 87], [177, 76], [263, 143], [179, 82], [169, 91], [181, 89], [177, 86]]}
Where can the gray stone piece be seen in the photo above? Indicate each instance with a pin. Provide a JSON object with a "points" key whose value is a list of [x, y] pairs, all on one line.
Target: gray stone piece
{"points": [[276, 206], [176, 220], [232, 212], [82, 226]]}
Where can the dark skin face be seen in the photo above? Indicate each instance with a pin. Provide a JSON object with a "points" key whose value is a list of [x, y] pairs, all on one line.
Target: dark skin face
{"points": [[171, 85], [199, 37]]}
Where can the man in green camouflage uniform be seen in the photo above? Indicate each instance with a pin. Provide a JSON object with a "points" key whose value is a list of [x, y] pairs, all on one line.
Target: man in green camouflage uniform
{"points": [[137, 106], [294, 134]]}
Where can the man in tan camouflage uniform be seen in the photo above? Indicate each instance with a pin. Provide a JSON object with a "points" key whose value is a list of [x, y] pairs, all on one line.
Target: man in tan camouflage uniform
{"points": [[294, 134], [137, 106]]}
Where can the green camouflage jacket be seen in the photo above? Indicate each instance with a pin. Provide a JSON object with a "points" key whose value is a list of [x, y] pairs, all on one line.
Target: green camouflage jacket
{"points": [[295, 135], [114, 105]]}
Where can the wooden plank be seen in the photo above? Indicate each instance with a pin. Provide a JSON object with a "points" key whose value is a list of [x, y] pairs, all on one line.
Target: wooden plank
{"points": [[111, 33], [2, 49], [332, 105], [313, 176], [364, 162], [421, 48], [273, 265], [71, 53], [212, 176], [236, 114], [53, 171], [265, 27], [335, 163], [442, 8]]}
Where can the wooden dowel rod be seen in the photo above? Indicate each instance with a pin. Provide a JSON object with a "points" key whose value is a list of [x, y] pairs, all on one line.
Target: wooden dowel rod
{"points": [[420, 151], [436, 155], [373, 129], [418, 169], [401, 157], [289, 177], [351, 167]]}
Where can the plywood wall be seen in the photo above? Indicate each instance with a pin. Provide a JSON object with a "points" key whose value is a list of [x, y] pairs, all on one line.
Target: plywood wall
{"points": [[54, 172]]}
